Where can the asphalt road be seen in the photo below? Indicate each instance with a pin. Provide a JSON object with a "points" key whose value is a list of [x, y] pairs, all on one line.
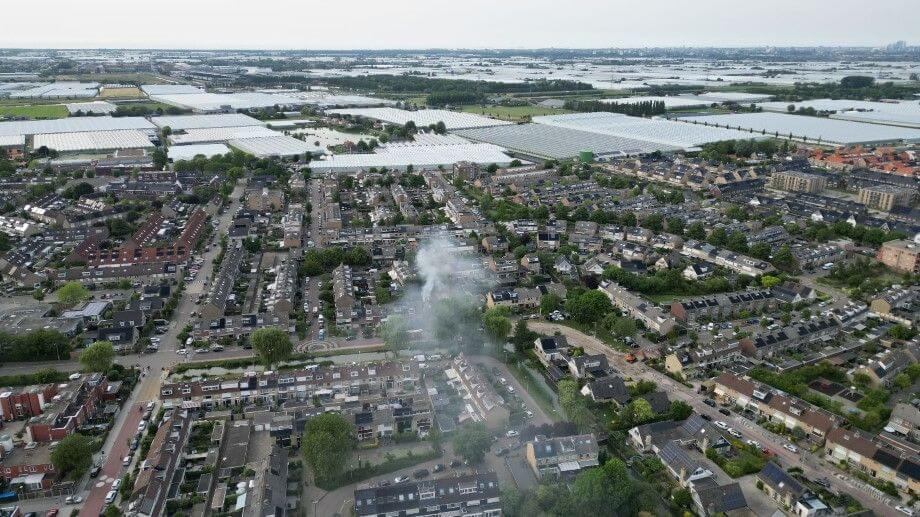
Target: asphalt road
{"points": [[813, 466]]}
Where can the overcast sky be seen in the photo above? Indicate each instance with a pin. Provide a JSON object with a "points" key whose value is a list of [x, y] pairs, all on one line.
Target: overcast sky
{"points": [[351, 24]]}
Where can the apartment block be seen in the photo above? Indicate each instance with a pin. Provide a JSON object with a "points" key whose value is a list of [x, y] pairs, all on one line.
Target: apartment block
{"points": [[795, 181], [902, 256], [885, 197]]}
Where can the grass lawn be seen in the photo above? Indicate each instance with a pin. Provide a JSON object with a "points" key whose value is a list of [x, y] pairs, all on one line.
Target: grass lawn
{"points": [[513, 113], [35, 111]]}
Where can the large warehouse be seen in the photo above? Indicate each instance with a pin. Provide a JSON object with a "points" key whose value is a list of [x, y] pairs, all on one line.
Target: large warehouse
{"points": [[93, 141], [75, 125], [419, 156], [187, 152], [184, 122], [554, 142], [220, 134], [892, 113], [274, 146], [811, 129], [423, 118], [203, 102], [654, 130], [60, 90]]}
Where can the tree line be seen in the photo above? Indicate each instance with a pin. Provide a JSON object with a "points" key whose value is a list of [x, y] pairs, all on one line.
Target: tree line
{"points": [[36, 345], [638, 109]]}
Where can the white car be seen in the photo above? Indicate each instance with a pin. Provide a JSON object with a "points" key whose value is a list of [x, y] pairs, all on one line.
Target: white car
{"points": [[116, 484], [182, 351], [905, 510], [512, 433], [110, 497], [791, 448], [752, 443], [74, 499], [734, 433], [400, 479], [721, 425]]}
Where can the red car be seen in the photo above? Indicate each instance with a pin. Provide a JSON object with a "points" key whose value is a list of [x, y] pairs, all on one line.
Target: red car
{"points": [[52, 512]]}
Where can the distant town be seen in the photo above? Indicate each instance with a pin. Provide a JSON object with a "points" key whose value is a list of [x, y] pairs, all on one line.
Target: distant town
{"points": [[460, 283]]}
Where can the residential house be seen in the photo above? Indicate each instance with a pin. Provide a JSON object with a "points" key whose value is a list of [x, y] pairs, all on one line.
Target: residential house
{"points": [[636, 307], [563, 457]]}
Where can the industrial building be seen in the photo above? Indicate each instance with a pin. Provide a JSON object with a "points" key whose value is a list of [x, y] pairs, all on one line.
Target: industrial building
{"points": [[423, 118], [809, 129], [418, 156], [184, 122], [93, 141], [893, 113], [187, 152], [274, 146], [656, 131], [554, 142]]}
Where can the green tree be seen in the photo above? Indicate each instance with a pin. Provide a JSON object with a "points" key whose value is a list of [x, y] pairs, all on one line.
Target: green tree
{"points": [[769, 281], [902, 381], [622, 326], [496, 322], [523, 338], [589, 306], [395, 333], [73, 456], [680, 410], [159, 158], [697, 231], [606, 490], [98, 357], [71, 294], [472, 441], [549, 303], [785, 260], [642, 410], [327, 443], [272, 345]]}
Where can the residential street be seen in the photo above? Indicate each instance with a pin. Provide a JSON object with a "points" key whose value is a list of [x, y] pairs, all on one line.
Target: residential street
{"points": [[813, 466]]}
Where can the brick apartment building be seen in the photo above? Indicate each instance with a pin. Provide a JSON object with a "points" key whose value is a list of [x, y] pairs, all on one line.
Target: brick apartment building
{"points": [[147, 244], [25, 402]]}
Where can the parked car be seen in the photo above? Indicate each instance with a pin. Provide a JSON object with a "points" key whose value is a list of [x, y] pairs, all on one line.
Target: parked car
{"points": [[126, 461], [705, 417], [734, 433], [420, 473], [710, 402], [182, 351], [721, 425], [439, 467], [110, 497], [511, 433], [400, 479], [116, 484], [905, 510], [791, 448], [74, 499], [725, 411], [454, 463], [95, 471]]}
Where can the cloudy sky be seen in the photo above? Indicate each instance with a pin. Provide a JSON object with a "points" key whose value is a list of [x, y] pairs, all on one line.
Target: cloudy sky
{"points": [[350, 24]]}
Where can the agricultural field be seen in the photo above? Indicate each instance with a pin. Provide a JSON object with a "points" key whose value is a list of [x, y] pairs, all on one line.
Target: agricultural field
{"points": [[121, 93], [34, 111], [513, 113]]}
